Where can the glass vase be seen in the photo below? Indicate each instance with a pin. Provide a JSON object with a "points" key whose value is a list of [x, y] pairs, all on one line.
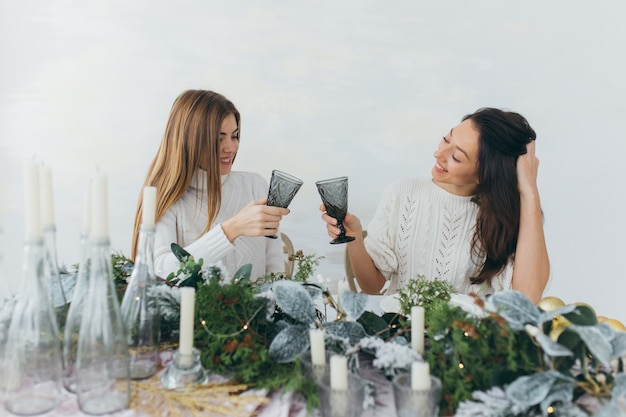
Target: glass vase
{"points": [[140, 312], [74, 316], [32, 375], [102, 365]]}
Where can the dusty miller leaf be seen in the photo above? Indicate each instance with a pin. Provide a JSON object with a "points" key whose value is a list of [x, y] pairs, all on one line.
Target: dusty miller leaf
{"points": [[545, 316], [353, 303], [618, 343], [350, 329], [289, 343], [597, 344], [552, 348], [514, 307], [530, 390], [294, 300], [560, 393]]}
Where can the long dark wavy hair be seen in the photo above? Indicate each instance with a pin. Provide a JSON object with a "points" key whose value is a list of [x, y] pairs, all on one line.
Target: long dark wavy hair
{"points": [[503, 136]]}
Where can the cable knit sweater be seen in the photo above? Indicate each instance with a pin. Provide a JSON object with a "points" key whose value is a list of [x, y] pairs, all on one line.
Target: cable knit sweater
{"points": [[186, 219], [421, 229]]}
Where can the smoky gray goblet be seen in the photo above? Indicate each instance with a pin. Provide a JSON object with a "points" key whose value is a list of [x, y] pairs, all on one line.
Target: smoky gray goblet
{"points": [[283, 188], [334, 193]]}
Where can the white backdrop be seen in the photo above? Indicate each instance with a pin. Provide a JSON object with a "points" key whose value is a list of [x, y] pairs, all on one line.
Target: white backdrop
{"points": [[326, 88]]}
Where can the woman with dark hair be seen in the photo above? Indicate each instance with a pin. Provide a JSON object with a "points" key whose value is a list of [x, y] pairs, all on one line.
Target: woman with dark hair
{"points": [[213, 212], [477, 223]]}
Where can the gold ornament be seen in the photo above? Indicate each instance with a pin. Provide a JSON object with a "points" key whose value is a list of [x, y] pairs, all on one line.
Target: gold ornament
{"points": [[550, 303]]}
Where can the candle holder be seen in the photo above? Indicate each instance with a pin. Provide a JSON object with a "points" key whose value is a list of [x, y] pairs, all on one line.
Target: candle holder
{"points": [[315, 372], [341, 403], [416, 403], [184, 372]]}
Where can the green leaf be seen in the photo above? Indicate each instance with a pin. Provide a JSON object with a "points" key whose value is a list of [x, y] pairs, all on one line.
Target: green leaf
{"points": [[289, 343], [582, 315], [294, 300], [374, 325], [179, 252], [243, 273]]}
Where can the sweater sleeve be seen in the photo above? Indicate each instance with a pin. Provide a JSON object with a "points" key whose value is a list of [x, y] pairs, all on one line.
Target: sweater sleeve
{"points": [[212, 246], [380, 240]]}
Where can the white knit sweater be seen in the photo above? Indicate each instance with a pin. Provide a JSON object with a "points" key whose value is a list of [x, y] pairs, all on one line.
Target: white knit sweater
{"points": [[186, 219], [421, 229]]}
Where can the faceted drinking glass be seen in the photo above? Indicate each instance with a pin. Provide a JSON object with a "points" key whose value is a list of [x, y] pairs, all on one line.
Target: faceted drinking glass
{"points": [[334, 193]]}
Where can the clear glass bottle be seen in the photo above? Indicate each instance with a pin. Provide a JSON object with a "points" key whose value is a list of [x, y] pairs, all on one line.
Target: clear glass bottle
{"points": [[52, 276], [32, 376], [102, 371], [140, 312], [75, 316]]}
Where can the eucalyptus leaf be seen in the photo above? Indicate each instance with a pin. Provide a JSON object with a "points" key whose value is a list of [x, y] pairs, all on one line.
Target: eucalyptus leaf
{"points": [[374, 325], [294, 300], [354, 303], [515, 307], [618, 343], [552, 348], [350, 329], [530, 390], [596, 343], [289, 343], [179, 252], [243, 273]]}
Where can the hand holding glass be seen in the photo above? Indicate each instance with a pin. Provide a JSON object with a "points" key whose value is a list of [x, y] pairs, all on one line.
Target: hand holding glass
{"points": [[283, 188], [334, 193]]}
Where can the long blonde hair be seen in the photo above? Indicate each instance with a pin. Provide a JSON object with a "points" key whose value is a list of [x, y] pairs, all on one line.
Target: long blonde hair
{"points": [[192, 131]]}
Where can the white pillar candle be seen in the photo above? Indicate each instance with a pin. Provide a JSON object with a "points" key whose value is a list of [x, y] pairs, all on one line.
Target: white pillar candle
{"points": [[100, 209], [318, 349], [31, 202], [187, 305], [420, 376], [149, 206], [47, 202], [417, 329], [341, 287], [87, 209], [338, 372]]}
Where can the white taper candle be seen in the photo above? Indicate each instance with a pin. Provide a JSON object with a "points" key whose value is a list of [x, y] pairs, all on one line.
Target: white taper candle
{"points": [[338, 372], [100, 208], [417, 329], [187, 306], [148, 212], [87, 198], [31, 202], [318, 349], [420, 376], [46, 202]]}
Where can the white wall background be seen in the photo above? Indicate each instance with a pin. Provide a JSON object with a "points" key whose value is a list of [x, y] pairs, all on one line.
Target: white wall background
{"points": [[326, 88]]}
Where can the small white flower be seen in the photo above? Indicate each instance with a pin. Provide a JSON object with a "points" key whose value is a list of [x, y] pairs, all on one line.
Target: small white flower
{"points": [[532, 331]]}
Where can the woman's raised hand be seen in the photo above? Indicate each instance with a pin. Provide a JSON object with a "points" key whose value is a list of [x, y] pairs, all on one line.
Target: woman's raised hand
{"points": [[351, 223], [255, 219], [527, 168]]}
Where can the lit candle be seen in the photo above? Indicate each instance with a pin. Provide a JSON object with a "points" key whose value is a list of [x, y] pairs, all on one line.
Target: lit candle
{"points": [[87, 210], [187, 304], [420, 376], [417, 329], [318, 349], [338, 372], [31, 202], [149, 206], [47, 203], [99, 213]]}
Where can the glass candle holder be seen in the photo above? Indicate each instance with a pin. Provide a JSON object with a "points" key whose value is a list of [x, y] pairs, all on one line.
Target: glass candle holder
{"points": [[315, 372], [341, 403], [416, 403], [184, 371]]}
